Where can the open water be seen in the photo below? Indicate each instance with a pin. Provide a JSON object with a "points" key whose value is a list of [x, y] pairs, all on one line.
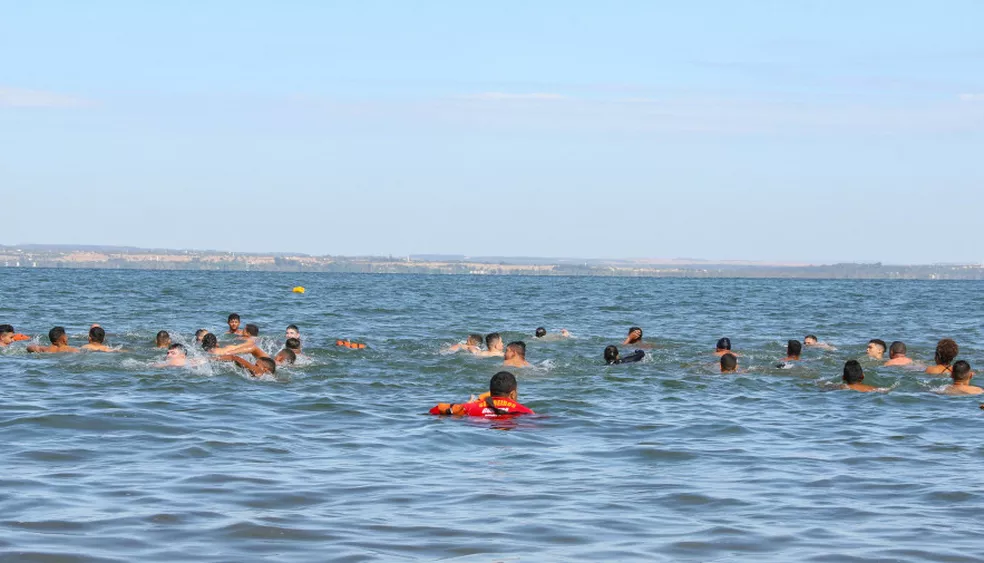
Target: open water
{"points": [[107, 458]]}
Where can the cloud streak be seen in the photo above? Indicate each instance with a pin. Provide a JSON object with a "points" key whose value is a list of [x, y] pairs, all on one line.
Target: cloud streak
{"points": [[22, 98]]}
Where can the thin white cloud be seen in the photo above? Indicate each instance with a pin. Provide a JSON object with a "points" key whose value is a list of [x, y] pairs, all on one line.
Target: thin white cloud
{"points": [[21, 98], [972, 97], [534, 96]]}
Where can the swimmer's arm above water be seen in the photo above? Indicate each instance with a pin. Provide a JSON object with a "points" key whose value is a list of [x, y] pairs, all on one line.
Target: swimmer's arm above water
{"points": [[253, 370]]}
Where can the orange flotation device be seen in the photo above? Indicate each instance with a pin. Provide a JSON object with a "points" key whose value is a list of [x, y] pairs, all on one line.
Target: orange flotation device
{"points": [[21, 337], [350, 344]]}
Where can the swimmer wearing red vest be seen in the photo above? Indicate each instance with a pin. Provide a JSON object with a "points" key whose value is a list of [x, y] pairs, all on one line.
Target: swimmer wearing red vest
{"points": [[499, 402]]}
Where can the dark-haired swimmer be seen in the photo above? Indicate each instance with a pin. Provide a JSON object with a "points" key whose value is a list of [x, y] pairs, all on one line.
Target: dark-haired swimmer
{"points": [[97, 337], [729, 363], [515, 355], [723, 347], [250, 334], [635, 338], [962, 375], [473, 344], [292, 332], [946, 352], [501, 401], [177, 356], [853, 376], [897, 355], [285, 356], [294, 345], [210, 342], [199, 334], [876, 348], [162, 340], [262, 366], [493, 346], [59, 343], [612, 356], [793, 350], [234, 322], [810, 341], [6, 335], [541, 334]]}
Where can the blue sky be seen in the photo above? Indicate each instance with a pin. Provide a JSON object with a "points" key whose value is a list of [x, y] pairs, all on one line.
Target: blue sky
{"points": [[775, 130]]}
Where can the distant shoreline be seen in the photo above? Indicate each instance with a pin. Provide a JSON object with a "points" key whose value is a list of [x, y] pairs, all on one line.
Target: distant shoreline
{"points": [[127, 258]]}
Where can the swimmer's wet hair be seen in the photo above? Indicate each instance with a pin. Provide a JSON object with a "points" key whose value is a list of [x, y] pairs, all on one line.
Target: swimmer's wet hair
{"points": [[540, 332], [946, 352], [502, 384], [177, 346], [252, 330], [4, 329], [56, 333], [233, 317], [292, 344], [97, 334], [961, 371], [289, 354], [724, 344], [198, 333], [812, 337], [853, 372], [635, 329], [161, 338], [897, 349], [294, 328], [474, 340], [729, 362], [268, 363], [492, 338], [879, 342], [519, 347], [210, 342], [611, 355], [794, 348]]}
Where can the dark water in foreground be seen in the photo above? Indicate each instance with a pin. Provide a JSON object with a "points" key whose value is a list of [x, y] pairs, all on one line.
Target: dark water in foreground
{"points": [[106, 457]]}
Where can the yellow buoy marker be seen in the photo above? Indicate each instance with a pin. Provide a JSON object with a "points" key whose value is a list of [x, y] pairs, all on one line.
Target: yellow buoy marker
{"points": [[298, 289]]}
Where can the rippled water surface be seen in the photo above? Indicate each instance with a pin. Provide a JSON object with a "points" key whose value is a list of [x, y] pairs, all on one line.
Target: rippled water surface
{"points": [[107, 457]]}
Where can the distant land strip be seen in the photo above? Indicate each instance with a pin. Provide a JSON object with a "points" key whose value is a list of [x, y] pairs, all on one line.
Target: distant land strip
{"points": [[130, 258]]}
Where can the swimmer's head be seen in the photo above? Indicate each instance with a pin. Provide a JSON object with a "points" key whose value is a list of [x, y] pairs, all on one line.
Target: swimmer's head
{"points": [[293, 344], [6, 334], [810, 340], [897, 349], [516, 349], [57, 336], [293, 332], [97, 335], [946, 352], [503, 384], [794, 348], [876, 347], [199, 334], [234, 321], [493, 341], [474, 340], [724, 344], [285, 356], [611, 355], [729, 363], [853, 372], [163, 339], [540, 332], [635, 334], [267, 364], [252, 330], [176, 351], [210, 342], [961, 372]]}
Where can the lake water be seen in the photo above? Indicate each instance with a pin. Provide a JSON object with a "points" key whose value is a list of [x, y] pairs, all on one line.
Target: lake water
{"points": [[108, 458]]}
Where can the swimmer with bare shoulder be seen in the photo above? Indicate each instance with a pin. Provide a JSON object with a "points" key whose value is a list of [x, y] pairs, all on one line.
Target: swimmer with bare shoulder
{"points": [[59, 343], [493, 346], [946, 352], [962, 375], [515, 355], [262, 366], [853, 376], [97, 341], [897, 355]]}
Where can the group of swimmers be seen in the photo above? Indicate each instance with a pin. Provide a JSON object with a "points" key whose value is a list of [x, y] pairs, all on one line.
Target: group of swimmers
{"points": [[501, 400], [176, 353]]}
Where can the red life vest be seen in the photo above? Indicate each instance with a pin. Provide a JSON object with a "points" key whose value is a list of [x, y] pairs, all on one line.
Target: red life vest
{"points": [[504, 406]]}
